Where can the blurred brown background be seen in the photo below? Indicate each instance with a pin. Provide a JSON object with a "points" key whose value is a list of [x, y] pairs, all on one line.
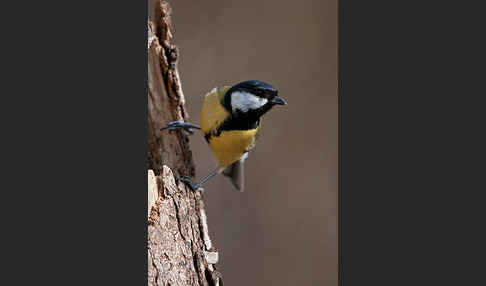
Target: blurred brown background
{"points": [[283, 229]]}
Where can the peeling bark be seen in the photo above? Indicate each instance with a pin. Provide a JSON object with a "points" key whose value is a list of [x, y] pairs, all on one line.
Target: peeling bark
{"points": [[179, 251]]}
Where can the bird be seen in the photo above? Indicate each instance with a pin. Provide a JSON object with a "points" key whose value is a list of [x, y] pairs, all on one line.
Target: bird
{"points": [[231, 122]]}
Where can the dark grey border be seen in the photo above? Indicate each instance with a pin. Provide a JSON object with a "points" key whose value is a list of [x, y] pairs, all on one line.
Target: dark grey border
{"points": [[79, 214], [410, 125], [340, 78]]}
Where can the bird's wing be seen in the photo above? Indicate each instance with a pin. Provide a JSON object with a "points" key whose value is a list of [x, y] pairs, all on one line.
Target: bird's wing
{"points": [[213, 112]]}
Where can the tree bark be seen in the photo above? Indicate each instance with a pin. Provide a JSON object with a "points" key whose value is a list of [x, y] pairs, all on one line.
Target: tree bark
{"points": [[179, 249]]}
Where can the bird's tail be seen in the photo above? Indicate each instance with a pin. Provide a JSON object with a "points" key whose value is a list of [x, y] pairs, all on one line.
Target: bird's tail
{"points": [[235, 172]]}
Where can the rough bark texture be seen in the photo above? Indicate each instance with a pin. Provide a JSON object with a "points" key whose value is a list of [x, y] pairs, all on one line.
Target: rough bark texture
{"points": [[179, 249]]}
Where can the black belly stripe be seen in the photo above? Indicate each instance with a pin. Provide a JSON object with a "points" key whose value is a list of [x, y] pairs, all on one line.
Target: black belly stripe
{"points": [[207, 136], [233, 123], [240, 124]]}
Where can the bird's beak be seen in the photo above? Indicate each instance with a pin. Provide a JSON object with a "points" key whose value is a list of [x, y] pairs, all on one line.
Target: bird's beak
{"points": [[279, 101]]}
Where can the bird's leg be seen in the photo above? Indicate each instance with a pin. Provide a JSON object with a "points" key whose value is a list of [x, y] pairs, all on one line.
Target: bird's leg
{"points": [[198, 185], [175, 125], [187, 180]]}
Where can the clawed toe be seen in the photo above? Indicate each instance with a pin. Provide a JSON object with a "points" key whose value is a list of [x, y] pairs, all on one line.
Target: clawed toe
{"points": [[176, 125], [193, 186]]}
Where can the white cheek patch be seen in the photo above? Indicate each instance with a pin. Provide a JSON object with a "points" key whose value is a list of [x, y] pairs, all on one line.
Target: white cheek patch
{"points": [[245, 101]]}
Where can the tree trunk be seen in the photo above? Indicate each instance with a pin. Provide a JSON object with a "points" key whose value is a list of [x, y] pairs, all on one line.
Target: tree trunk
{"points": [[179, 249]]}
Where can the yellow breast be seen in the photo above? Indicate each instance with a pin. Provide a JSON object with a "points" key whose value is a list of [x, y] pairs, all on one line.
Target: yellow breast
{"points": [[229, 146]]}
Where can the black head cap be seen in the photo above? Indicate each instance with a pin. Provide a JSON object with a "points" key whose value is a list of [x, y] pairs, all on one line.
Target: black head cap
{"points": [[256, 87]]}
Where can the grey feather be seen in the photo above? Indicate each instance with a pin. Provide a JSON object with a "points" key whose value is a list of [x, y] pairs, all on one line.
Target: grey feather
{"points": [[236, 173]]}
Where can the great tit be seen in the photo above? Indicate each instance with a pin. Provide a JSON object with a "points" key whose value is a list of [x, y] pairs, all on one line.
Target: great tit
{"points": [[231, 123]]}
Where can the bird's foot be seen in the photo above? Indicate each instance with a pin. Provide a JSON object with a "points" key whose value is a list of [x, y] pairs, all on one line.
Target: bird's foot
{"points": [[176, 125], [193, 186]]}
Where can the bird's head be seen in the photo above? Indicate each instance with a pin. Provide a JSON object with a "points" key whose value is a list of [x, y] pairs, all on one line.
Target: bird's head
{"points": [[252, 96]]}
